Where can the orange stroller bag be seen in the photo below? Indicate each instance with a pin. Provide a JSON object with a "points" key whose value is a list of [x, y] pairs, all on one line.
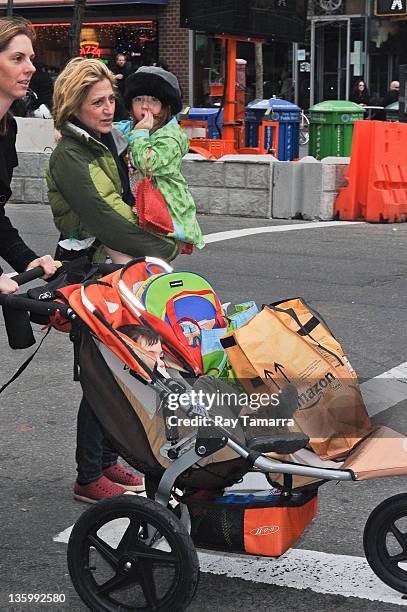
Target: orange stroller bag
{"points": [[255, 525]]}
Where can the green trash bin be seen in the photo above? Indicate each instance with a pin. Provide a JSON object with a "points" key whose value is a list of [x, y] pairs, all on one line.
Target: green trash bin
{"points": [[331, 128], [392, 112]]}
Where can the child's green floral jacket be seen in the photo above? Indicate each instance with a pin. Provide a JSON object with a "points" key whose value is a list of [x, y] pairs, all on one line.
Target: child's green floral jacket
{"points": [[167, 146]]}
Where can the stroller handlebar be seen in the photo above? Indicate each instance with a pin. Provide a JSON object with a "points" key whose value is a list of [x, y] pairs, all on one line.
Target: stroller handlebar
{"points": [[41, 308], [29, 275]]}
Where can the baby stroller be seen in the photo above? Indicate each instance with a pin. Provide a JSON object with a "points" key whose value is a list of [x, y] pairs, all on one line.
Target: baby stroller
{"points": [[136, 553]]}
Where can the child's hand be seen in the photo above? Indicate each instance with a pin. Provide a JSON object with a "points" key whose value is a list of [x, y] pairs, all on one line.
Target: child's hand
{"points": [[146, 123]]}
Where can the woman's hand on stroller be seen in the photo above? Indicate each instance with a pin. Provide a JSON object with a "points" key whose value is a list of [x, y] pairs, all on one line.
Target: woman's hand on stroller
{"points": [[7, 285], [47, 263]]}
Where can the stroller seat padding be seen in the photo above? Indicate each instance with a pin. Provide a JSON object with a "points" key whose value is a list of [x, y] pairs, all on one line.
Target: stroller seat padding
{"points": [[283, 443]]}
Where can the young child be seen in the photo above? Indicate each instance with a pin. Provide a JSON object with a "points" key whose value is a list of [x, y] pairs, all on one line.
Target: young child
{"points": [[153, 97], [149, 340]]}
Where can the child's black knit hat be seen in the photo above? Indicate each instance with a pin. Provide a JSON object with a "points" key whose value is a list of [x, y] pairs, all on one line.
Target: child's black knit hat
{"points": [[157, 82]]}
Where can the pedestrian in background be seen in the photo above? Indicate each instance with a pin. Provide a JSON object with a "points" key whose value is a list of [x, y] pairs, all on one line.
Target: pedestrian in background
{"points": [[121, 70], [16, 70], [162, 63], [360, 93], [392, 95], [41, 84]]}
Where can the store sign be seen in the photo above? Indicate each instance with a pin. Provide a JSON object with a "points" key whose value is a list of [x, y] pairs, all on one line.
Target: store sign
{"points": [[389, 8], [281, 20], [92, 49]]}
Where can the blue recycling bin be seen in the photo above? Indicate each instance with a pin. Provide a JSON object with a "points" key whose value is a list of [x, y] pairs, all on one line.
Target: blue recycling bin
{"points": [[208, 115], [288, 116]]}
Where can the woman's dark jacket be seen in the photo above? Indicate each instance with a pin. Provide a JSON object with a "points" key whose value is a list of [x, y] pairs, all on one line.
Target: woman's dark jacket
{"points": [[360, 97], [12, 247]]}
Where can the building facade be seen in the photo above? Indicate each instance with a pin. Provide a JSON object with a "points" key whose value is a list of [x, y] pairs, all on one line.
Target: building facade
{"points": [[346, 40]]}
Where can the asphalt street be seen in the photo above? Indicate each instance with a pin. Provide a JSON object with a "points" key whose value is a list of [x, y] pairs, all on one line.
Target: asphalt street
{"points": [[356, 276]]}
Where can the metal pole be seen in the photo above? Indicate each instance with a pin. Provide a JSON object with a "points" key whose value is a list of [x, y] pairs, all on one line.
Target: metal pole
{"points": [[295, 72], [338, 87], [9, 8], [348, 60], [366, 49], [229, 113], [312, 60], [191, 62]]}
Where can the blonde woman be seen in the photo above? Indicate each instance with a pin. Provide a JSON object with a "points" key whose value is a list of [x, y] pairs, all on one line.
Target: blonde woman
{"points": [[90, 196], [16, 70], [88, 182]]}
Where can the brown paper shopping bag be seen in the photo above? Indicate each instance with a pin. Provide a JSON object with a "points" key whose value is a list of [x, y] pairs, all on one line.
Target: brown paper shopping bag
{"points": [[288, 343]]}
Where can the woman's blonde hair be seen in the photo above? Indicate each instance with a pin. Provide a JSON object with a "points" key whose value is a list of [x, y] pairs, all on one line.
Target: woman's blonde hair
{"points": [[9, 29], [73, 85]]}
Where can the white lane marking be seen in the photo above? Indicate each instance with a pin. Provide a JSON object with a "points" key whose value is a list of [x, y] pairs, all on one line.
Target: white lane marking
{"points": [[268, 229], [300, 569], [63, 536], [386, 390], [325, 573], [306, 569]]}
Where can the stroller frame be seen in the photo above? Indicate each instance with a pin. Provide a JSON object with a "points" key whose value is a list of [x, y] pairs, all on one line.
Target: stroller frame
{"points": [[153, 518], [259, 462]]}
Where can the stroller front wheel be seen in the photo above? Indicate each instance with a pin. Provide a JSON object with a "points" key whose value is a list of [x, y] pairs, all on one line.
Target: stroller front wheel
{"points": [[131, 553], [385, 542]]}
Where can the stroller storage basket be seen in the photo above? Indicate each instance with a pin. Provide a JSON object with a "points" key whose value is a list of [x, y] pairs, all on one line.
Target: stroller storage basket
{"points": [[260, 528]]}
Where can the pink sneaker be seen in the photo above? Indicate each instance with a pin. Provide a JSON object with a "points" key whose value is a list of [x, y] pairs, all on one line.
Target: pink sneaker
{"points": [[117, 473], [97, 490]]}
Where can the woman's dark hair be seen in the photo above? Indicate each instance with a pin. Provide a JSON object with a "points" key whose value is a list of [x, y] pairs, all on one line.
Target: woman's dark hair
{"points": [[356, 85]]}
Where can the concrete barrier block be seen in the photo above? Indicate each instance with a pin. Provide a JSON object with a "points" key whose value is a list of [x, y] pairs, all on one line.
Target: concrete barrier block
{"points": [[43, 163], [204, 173], [201, 197], [218, 201], [32, 190], [326, 205], [258, 176], [17, 187], [310, 189], [235, 174], [286, 194], [333, 173], [249, 203], [247, 185], [248, 158], [296, 189], [35, 135], [28, 165], [308, 159], [193, 157], [44, 191]]}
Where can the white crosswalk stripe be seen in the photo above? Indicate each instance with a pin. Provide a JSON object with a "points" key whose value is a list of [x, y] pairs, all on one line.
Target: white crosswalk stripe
{"points": [[269, 229]]}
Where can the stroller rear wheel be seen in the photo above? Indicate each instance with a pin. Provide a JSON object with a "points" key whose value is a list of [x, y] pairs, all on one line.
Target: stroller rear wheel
{"points": [[131, 553], [385, 541]]}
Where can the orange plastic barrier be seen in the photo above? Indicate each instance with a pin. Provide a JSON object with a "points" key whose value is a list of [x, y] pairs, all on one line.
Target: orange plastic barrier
{"points": [[377, 174]]}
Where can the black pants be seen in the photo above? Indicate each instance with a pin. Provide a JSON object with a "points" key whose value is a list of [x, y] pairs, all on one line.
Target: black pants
{"points": [[94, 453]]}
